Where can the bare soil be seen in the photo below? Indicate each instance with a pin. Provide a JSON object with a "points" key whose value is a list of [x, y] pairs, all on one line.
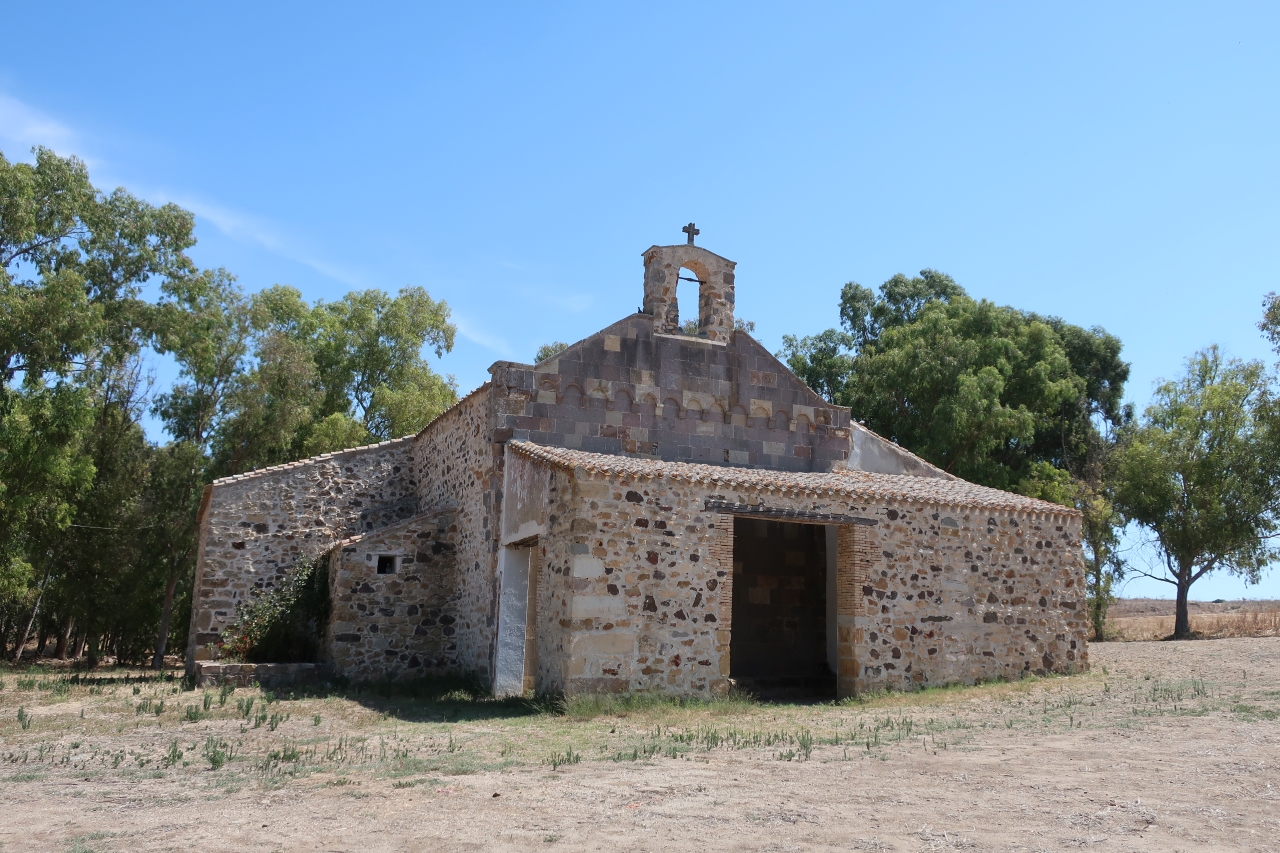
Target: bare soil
{"points": [[1162, 746]]}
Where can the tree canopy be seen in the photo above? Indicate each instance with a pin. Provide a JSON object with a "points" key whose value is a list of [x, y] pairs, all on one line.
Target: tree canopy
{"points": [[1200, 473], [995, 395], [97, 522]]}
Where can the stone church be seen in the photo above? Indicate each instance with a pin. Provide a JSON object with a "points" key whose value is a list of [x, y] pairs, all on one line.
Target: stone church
{"points": [[653, 510]]}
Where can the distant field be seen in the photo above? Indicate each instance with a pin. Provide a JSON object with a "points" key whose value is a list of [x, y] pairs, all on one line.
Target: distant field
{"points": [[1152, 618]]}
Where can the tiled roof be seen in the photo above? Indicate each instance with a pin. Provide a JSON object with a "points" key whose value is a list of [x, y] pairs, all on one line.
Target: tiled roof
{"points": [[274, 468], [859, 484], [249, 475], [473, 392]]}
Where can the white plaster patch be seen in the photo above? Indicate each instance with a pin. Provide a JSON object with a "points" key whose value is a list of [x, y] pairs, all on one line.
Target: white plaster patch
{"points": [[585, 566], [597, 607]]}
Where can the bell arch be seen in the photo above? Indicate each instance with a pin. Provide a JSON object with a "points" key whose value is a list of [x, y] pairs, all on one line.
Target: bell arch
{"points": [[715, 275]]}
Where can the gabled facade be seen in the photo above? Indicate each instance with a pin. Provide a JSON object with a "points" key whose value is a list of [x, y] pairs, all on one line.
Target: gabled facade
{"points": [[650, 510]]}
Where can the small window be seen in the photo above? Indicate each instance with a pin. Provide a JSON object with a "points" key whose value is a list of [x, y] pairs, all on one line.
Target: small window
{"points": [[386, 564]]}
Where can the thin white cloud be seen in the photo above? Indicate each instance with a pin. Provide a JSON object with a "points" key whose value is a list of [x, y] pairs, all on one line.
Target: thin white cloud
{"points": [[479, 336], [22, 127], [248, 228]]}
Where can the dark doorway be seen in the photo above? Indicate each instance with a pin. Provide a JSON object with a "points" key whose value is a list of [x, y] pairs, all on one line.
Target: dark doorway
{"points": [[778, 645]]}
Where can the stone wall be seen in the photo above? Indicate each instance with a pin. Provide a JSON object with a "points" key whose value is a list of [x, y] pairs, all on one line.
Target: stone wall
{"points": [[457, 467], [929, 594], [961, 596], [629, 391], [210, 674], [629, 592], [255, 526], [400, 622]]}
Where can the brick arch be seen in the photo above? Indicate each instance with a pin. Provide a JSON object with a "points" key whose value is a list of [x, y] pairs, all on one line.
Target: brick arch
{"points": [[573, 395]]}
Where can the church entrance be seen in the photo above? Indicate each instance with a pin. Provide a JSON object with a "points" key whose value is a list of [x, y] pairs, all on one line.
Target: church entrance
{"points": [[781, 645]]}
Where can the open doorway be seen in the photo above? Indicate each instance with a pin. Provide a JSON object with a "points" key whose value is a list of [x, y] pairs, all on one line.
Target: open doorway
{"points": [[779, 642]]}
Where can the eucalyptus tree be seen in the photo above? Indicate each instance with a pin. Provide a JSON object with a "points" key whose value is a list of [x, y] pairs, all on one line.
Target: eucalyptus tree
{"points": [[73, 261], [990, 393], [1201, 474]]}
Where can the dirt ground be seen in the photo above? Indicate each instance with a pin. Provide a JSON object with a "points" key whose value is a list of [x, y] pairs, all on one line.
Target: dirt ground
{"points": [[1162, 746]]}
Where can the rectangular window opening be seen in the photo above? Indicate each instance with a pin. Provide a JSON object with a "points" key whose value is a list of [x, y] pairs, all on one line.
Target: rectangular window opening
{"points": [[386, 564]]}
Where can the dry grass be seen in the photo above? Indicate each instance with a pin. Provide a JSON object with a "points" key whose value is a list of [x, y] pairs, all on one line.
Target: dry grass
{"points": [[122, 760], [1152, 619]]}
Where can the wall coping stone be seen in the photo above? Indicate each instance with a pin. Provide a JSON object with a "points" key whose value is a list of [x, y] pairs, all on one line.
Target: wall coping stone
{"points": [[235, 478]]}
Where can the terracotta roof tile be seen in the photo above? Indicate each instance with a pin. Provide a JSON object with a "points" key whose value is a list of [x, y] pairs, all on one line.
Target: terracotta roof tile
{"points": [[861, 484], [249, 475]]}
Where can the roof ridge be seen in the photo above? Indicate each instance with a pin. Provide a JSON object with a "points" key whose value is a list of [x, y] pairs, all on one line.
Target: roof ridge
{"points": [[482, 386], [905, 487], [300, 462]]}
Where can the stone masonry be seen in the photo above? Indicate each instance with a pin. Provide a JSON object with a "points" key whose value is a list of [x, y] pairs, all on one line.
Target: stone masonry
{"points": [[570, 526], [954, 583], [394, 598], [254, 526]]}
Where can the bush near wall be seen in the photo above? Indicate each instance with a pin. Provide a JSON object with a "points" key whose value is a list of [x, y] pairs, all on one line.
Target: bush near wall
{"points": [[284, 624]]}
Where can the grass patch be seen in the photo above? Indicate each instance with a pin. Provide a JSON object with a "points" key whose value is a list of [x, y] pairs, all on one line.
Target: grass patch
{"points": [[582, 707], [1251, 713]]}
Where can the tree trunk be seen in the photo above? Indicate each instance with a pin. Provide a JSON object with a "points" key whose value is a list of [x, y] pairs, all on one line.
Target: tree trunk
{"points": [[162, 638], [64, 637], [79, 650], [91, 649], [23, 637], [1182, 617]]}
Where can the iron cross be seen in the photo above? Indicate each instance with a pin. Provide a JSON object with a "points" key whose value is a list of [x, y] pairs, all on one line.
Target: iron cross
{"points": [[692, 231]]}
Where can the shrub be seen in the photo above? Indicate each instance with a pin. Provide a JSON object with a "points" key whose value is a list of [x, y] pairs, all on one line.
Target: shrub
{"points": [[283, 624]]}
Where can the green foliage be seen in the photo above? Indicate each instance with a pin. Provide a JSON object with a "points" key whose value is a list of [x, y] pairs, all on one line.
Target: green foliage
{"points": [[995, 395], [331, 376], [217, 752], [865, 316], [371, 340], [1104, 567], [72, 263], [282, 624], [821, 361], [1199, 472], [406, 410], [336, 432], [97, 524], [549, 351]]}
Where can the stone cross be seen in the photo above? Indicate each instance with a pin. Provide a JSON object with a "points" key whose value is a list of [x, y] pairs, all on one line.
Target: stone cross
{"points": [[692, 231]]}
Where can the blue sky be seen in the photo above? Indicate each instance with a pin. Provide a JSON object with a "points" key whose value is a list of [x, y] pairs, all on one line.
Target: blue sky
{"points": [[1114, 164]]}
